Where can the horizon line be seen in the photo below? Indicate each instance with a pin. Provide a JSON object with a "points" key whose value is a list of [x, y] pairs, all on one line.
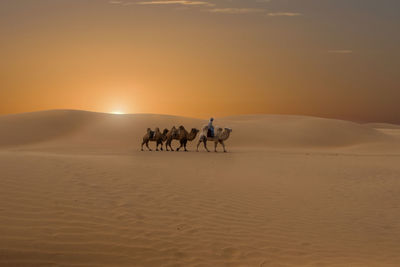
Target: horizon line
{"points": [[199, 118]]}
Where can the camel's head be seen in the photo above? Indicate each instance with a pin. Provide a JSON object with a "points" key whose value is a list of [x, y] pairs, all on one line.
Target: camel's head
{"points": [[194, 130], [229, 130]]}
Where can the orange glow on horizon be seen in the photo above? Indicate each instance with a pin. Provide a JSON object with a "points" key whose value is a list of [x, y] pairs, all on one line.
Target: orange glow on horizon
{"points": [[109, 57]]}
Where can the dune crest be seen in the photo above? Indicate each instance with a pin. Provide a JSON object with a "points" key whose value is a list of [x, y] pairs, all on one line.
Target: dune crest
{"points": [[69, 128]]}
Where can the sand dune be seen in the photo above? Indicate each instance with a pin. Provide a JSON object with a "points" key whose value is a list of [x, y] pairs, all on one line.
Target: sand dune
{"points": [[81, 129], [383, 125], [300, 131], [295, 191]]}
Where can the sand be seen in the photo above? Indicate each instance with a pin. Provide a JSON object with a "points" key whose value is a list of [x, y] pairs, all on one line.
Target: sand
{"points": [[292, 191]]}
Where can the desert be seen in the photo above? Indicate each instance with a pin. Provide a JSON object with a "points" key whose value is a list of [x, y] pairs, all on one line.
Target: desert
{"points": [[199, 133], [292, 191]]}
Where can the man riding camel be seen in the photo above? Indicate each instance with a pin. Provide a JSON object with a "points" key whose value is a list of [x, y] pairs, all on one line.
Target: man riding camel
{"points": [[211, 128]]}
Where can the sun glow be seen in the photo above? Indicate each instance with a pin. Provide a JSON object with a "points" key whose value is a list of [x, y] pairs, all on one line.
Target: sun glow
{"points": [[117, 112]]}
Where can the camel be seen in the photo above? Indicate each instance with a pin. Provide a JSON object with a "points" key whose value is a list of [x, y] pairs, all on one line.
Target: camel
{"points": [[220, 136], [155, 136], [171, 135], [184, 136]]}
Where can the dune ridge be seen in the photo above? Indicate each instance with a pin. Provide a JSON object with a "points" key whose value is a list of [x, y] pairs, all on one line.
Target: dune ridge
{"points": [[70, 128]]}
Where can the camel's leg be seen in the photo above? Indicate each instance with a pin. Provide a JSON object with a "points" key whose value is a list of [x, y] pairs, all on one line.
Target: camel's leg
{"points": [[157, 144], [166, 146], [198, 145], [147, 145], [215, 146], [162, 146], [181, 144], [204, 141], [223, 145], [184, 144], [170, 145], [205, 145], [143, 144]]}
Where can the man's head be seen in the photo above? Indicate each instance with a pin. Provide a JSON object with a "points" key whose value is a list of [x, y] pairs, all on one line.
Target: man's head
{"points": [[212, 119]]}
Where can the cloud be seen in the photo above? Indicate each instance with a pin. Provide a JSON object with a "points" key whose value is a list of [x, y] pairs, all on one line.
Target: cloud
{"points": [[185, 4], [176, 2], [231, 10], [340, 51], [122, 3], [284, 14]]}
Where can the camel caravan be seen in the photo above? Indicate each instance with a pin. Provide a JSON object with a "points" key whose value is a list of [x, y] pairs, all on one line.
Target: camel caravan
{"points": [[183, 136]]}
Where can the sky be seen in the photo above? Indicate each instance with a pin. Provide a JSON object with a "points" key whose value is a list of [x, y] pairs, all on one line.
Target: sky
{"points": [[200, 58]]}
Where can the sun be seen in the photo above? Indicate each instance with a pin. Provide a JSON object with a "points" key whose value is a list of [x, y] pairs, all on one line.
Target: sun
{"points": [[117, 112]]}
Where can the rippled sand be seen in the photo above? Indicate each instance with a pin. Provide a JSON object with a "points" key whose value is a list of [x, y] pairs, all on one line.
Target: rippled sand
{"points": [[293, 191]]}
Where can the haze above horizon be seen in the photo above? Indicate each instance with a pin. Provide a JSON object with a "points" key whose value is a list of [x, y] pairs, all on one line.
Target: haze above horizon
{"points": [[334, 59]]}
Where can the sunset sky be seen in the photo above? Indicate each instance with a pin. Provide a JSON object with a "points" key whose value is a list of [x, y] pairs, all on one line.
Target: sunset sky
{"points": [[200, 58]]}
